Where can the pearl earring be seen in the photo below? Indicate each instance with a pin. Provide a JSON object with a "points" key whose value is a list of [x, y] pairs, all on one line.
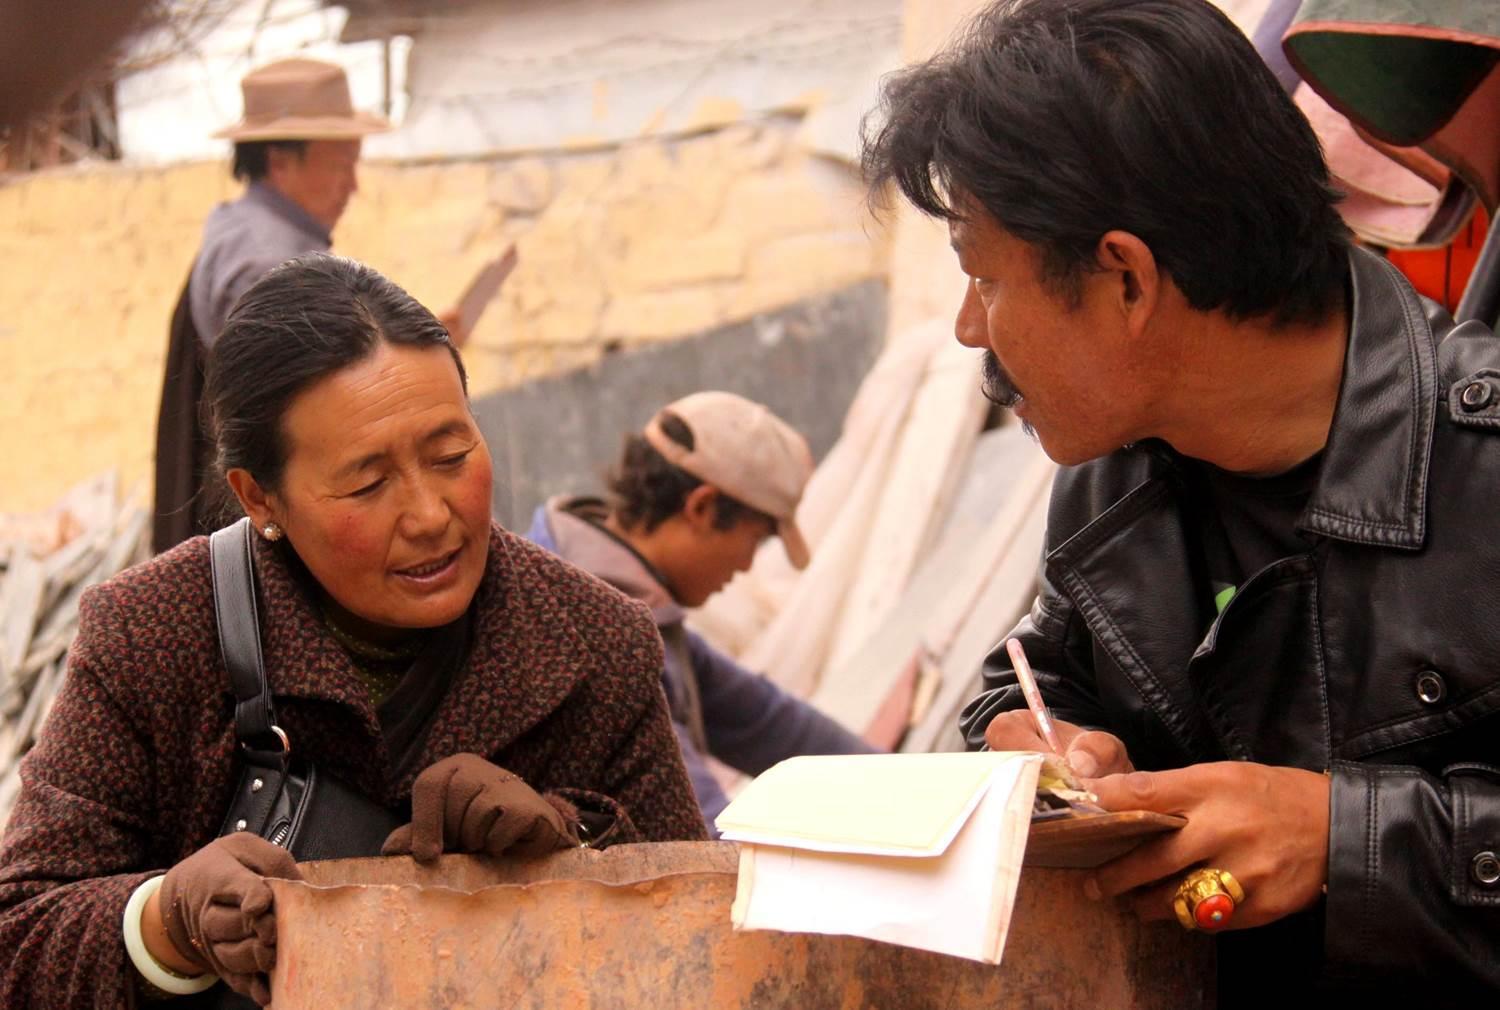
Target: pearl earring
{"points": [[271, 532]]}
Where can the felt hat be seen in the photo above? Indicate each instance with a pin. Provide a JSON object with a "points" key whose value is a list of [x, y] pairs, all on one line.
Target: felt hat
{"points": [[300, 99]]}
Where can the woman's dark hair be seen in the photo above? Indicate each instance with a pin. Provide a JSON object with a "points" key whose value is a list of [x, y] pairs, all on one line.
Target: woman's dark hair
{"points": [[306, 319], [1065, 119], [252, 158], [645, 490]]}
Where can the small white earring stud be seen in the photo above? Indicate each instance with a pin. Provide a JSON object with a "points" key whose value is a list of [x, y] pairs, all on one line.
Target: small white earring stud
{"points": [[271, 532]]}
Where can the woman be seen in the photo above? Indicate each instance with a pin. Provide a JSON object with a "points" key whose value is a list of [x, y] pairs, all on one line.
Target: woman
{"points": [[414, 649]]}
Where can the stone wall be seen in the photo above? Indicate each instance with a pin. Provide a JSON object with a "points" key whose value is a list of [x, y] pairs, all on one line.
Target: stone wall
{"points": [[623, 246], [559, 435], [624, 242]]}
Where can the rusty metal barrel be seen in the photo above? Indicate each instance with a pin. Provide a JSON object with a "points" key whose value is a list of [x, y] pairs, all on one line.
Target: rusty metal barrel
{"points": [[646, 927]]}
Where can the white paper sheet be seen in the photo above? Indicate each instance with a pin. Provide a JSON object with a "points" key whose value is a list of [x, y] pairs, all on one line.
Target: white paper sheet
{"points": [[958, 902]]}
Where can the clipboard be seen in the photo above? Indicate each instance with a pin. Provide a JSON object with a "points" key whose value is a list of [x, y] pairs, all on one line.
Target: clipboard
{"points": [[483, 288], [1087, 840]]}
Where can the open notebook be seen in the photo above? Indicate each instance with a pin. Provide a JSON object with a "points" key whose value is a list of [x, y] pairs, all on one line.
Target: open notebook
{"points": [[923, 850]]}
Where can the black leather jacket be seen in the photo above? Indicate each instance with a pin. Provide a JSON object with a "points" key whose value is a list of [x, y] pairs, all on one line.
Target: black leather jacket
{"points": [[1376, 654]]}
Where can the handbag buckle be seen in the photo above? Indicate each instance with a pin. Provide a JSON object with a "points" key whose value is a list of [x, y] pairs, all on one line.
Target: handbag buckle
{"points": [[280, 734]]}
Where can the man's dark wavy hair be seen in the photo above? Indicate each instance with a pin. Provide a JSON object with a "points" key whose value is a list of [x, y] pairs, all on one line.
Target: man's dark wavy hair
{"points": [[1065, 119], [252, 158]]}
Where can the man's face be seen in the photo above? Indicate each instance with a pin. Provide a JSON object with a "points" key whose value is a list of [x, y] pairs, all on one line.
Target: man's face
{"points": [[321, 180], [1067, 370], [714, 556]]}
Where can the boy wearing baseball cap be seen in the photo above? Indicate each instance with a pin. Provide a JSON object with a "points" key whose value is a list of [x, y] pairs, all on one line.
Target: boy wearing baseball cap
{"points": [[693, 496]]}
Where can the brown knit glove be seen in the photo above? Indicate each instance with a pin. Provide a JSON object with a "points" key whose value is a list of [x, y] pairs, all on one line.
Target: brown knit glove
{"points": [[217, 908], [465, 804]]}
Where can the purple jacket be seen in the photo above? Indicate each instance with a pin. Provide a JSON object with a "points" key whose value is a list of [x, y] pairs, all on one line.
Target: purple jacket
{"points": [[718, 707]]}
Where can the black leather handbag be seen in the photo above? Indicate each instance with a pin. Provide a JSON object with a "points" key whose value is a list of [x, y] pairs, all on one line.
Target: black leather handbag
{"points": [[279, 796]]}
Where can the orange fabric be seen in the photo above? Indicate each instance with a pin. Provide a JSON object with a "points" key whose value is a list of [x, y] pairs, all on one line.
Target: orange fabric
{"points": [[1425, 267]]}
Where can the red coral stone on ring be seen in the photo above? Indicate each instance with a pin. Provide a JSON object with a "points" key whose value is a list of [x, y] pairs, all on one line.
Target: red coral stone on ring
{"points": [[1207, 898], [1214, 911]]}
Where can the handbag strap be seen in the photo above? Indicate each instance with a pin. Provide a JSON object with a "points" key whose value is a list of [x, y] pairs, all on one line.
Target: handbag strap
{"points": [[232, 563]]}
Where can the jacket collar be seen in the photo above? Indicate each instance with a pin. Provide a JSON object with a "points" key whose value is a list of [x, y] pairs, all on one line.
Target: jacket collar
{"points": [[1372, 486], [527, 656], [275, 202], [1371, 489], [524, 650], [579, 538], [302, 659]]}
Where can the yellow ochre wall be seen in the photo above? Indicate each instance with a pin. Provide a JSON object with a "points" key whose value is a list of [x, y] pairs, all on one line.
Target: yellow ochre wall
{"points": [[647, 241]]}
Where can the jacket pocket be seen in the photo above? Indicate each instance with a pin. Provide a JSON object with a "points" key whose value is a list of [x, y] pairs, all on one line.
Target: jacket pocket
{"points": [[1432, 714], [1260, 674], [1475, 798]]}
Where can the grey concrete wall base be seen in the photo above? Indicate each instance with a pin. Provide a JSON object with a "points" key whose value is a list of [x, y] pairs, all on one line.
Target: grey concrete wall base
{"points": [[559, 435]]}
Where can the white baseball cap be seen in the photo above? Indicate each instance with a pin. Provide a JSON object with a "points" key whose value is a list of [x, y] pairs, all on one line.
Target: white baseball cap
{"points": [[747, 452]]}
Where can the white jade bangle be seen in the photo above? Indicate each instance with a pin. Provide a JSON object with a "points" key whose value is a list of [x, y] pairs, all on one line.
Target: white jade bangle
{"points": [[135, 945]]}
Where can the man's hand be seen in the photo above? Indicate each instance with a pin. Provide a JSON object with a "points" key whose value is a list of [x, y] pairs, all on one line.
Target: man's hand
{"points": [[1268, 826], [1088, 752]]}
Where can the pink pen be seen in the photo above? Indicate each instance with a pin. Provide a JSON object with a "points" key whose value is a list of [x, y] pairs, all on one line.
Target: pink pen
{"points": [[1033, 696]]}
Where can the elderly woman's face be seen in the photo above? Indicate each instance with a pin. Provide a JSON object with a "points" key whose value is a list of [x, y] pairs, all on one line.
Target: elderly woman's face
{"points": [[386, 491]]}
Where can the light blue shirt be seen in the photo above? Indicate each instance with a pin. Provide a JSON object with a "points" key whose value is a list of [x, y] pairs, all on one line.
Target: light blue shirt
{"points": [[241, 241]]}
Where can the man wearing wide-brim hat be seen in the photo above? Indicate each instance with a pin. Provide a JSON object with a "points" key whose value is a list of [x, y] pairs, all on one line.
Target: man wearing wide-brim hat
{"points": [[296, 148]]}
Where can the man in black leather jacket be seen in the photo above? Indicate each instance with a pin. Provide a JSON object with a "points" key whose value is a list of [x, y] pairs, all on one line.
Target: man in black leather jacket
{"points": [[1268, 601]]}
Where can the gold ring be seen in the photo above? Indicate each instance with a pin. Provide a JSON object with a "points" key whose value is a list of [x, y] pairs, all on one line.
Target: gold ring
{"points": [[1206, 899]]}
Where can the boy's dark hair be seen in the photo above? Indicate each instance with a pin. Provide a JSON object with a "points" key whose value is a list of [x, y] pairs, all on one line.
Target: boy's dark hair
{"points": [[252, 158], [645, 490], [1065, 119]]}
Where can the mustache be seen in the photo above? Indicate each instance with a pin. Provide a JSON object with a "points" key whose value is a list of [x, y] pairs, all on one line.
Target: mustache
{"points": [[997, 386]]}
